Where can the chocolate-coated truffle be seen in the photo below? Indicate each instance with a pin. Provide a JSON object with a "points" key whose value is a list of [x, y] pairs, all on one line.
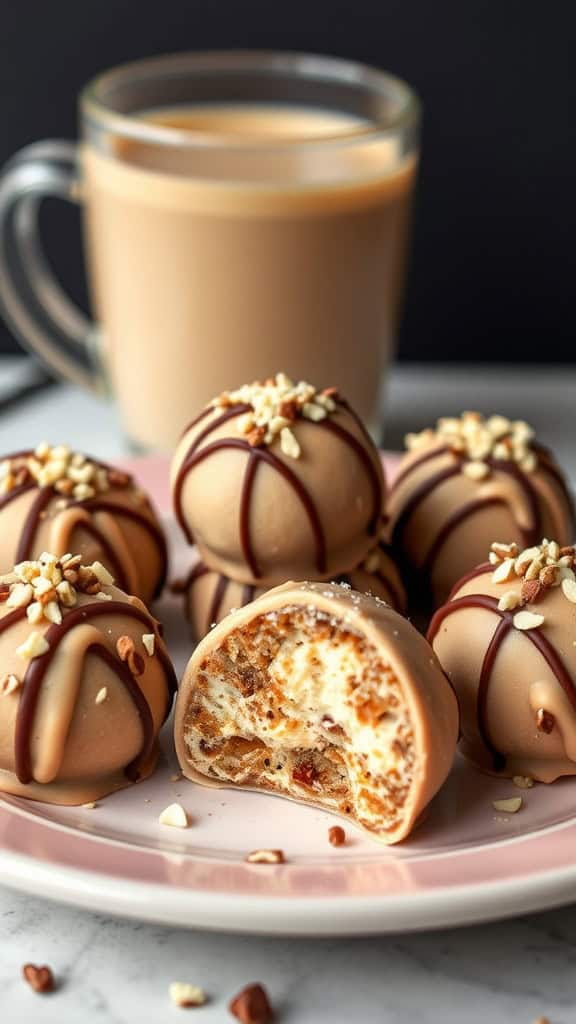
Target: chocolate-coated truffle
{"points": [[278, 480], [324, 695], [465, 482], [54, 499], [209, 596], [506, 639], [85, 683]]}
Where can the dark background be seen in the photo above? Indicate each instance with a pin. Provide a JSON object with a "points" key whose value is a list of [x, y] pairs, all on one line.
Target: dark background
{"points": [[492, 271]]}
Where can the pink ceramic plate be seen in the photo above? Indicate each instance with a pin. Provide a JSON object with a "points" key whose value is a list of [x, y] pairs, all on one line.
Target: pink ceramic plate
{"points": [[465, 863]]}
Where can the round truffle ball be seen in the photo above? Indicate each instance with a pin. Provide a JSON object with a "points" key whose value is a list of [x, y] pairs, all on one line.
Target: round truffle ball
{"points": [[506, 641], [85, 683], [209, 596], [54, 499], [462, 484], [278, 480], [336, 700]]}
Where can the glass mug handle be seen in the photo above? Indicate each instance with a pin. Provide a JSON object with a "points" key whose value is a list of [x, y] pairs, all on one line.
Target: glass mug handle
{"points": [[32, 302]]}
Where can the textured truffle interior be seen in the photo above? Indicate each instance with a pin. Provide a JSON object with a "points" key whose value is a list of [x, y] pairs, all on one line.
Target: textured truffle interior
{"points": [[297, 703]]}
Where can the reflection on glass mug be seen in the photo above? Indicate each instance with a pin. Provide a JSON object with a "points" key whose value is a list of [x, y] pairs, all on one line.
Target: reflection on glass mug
{"points": [[244, 213]]}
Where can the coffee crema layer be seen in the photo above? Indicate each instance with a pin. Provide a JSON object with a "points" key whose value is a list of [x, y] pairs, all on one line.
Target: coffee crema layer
{"points": [[465, 482], [507, 641], [324, 695], [278, 480], [85, 683], [55, 499]]}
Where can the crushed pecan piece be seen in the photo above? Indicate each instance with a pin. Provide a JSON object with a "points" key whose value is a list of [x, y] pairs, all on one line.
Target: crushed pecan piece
{"points": [[252, 1006], [40, 979]]}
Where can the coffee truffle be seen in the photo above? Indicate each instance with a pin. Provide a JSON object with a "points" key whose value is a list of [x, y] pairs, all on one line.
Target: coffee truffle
{"points": [[85, 683], [209, 596], [506, 639], [54, 499], [278, 480], [324, 695], [465, 482]]}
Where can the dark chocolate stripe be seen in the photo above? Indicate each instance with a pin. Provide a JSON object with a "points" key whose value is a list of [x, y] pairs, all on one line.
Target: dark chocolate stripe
{"points": [[532, 535], [421, 492], [147, 524], [453, 522], [10, 496], [539, 641], [198, 419], [188, 461], [262, 454], [109, 552], [26, 539], [217, 598], [420, 461], [248, 591], [478, 570], [38, 667], [245, 504], [374, 477]]}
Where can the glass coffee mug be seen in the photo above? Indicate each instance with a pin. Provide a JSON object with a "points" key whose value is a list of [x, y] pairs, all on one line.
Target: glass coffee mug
{"points": [[244, 213]]}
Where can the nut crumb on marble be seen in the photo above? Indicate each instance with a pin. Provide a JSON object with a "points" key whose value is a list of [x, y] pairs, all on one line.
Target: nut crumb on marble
{"points": [[336, 835], [252, 1005], [40, 979], [185, 995]]}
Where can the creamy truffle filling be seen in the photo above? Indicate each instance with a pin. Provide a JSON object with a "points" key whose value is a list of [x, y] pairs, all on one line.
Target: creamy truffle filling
{"points": [[299, 703]]}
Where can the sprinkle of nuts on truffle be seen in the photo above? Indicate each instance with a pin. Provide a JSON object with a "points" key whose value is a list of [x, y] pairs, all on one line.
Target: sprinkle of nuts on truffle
{"points": [[9, 684], [266, 857], [480, 442], [336, 835], [509, 806], [252, 1006], [174, 816], [527, 620], [540, 568], [40, 979], [101, 696], [149, 641], [69, 473], [275, 404], [46, 587], [185, 995], [545, 721]]}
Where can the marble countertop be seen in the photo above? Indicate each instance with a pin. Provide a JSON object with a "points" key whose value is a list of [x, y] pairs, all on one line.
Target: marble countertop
{"points": [[119, 971]]}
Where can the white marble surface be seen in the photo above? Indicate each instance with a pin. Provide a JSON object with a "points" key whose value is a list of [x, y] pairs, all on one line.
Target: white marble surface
{"points": [[119, 972]]}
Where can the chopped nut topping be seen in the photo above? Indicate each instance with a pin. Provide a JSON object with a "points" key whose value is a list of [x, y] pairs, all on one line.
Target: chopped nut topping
{"points": [[69, 473], [9, 684], [265, 857], [183, 994], [540, 568], [276, 403], [509, 806], [523, 781], [480, 442], [90, 806], [509, 600], [149, 641], [101, 696], [252, 1006], [174, 816], [527, 620], [127, 652], [33, 647], [336, 835], [40, 979]]}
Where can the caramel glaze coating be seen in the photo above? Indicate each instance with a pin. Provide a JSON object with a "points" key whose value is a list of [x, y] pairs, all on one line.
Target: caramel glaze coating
{"points": [[324, 695], [503, 682], [209, 596], [56, 743], [259, 516], [119, 528], [443, 522]]}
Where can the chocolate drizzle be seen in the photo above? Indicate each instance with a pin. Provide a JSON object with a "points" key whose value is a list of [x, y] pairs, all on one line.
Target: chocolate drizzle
{"points": [[42, 499], [257, 455], [396, 599], [38, 667], [147, 524], [504, 627], [530, 535]]}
